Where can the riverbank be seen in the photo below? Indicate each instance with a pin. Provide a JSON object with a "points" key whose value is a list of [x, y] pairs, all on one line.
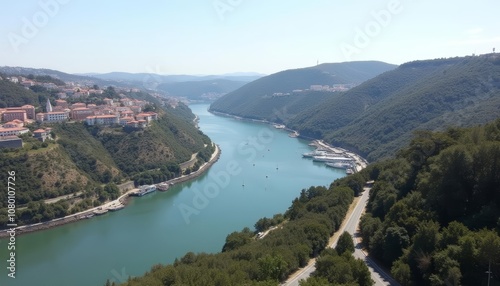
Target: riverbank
{"points": [[360, 162], [117, 204]]}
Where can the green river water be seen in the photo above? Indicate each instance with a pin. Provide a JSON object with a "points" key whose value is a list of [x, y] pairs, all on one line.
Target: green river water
{"points": [[259, 173]]}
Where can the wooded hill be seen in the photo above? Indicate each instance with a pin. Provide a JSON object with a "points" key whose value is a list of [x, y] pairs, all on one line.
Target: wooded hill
{"points": [[433, 216], [255, 99], [12, 94], [378, 117]]}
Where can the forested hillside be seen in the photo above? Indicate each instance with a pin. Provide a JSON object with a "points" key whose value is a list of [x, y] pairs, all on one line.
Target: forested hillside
{"points": [[255, 99], [378, 117], [301, 233], [12, 94], [434, 211]]}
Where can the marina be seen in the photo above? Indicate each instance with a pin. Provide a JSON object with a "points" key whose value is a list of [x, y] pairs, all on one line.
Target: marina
{"points": [[335, 157]]}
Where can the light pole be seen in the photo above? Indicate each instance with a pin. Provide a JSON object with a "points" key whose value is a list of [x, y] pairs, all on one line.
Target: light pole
{"points": [[489, 271]]}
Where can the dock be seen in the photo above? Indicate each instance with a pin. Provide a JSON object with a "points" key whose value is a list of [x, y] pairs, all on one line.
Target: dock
{"points": [[338, 156]]}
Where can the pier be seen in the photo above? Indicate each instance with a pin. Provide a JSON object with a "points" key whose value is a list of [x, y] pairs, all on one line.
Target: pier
{"points": [[338, 156]]}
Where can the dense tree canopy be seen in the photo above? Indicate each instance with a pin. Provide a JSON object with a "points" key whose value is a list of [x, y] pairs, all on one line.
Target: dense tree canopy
{"points": [[434, 212]]}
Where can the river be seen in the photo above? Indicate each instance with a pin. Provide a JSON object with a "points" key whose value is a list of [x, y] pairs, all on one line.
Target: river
{"points": [[259, 173]]}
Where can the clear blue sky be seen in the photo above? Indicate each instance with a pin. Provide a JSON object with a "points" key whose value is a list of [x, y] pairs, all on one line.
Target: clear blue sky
{"points": [[223, 36]]}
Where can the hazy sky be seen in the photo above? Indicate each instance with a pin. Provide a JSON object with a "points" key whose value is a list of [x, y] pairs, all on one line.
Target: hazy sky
{"points": [[223, 36]]}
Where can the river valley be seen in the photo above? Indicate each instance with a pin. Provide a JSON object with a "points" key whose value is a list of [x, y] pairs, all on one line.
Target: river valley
{"points": [[259, 173]]}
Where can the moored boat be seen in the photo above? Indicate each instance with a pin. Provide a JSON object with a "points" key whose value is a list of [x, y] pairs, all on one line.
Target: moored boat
{"points": [[339, 165], [315, 153], [144, 190], [332, 159]]}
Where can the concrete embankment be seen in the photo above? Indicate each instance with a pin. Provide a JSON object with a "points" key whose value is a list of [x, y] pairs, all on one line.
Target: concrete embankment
{"points": [[113, 205]]}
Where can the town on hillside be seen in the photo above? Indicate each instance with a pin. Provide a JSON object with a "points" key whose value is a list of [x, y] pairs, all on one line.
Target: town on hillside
{"points": [[318, 87], [124, 111]]}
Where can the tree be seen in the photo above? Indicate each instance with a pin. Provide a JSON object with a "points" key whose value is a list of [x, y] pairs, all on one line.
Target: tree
{"points": [[452, 233], [401, 272], [345, 243], [262, 224], [236, 240], [314, 281], [368, 226], [396, 239], [489, 247], [272, 267]]}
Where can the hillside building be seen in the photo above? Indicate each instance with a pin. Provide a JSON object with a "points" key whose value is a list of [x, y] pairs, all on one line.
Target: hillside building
{"points": [[102, 120], [12, 114], [13, 131], [11, 142], [80, 113]]}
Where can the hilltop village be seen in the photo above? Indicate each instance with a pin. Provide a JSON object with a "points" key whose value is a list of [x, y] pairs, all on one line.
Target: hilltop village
{"points": [[124, 111]]}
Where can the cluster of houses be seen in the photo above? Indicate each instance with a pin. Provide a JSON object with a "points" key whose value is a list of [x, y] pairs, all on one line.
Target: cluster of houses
{"points": [[70, 90], [125, 112], [318, 87], [10, 131]]}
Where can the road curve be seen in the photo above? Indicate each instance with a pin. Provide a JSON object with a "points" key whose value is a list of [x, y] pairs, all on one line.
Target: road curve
{"points": [[379, 276]]}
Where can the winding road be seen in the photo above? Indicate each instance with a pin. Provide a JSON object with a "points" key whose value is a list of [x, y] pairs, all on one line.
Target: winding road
{"points": [[379, 276]]}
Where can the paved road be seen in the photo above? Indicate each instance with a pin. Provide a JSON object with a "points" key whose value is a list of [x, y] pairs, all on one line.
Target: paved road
{"points": [[378, 275]]}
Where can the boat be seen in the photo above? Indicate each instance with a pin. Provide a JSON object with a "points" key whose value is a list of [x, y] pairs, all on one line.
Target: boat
{"points": [[339, 165], [315, 153], [144, 190], [294, 134], [279, 126], [89, 216], [332, 159], [349, 171]]}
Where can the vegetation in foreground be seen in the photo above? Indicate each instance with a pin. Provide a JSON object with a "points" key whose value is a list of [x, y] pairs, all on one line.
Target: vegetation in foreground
{"points": [[302, 233], [434, 212]]}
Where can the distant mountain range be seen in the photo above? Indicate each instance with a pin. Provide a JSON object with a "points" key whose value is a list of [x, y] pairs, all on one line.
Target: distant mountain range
{"points": [[55, 74], [141, 77], [378, 117], [200, 90], [188, 86]]}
